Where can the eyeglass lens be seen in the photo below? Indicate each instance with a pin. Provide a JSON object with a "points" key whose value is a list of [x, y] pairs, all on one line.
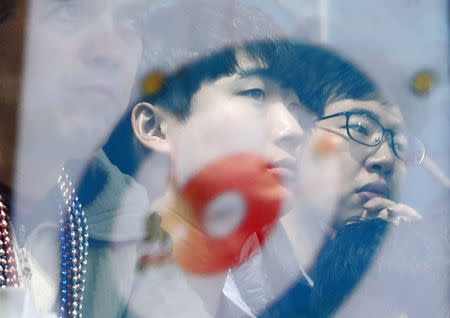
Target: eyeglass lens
{"points": [[369, 132], [364, 129]]}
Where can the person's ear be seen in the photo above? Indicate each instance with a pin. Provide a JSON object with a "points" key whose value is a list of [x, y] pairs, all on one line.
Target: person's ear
{"points": [[149, 124]]}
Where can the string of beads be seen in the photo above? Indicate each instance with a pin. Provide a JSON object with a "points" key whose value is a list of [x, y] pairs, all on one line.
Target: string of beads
{"points": [[74, 249]]}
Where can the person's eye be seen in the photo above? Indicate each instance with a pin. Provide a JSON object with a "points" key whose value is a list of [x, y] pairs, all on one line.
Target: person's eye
{"points": [[255, 93], [359, 128]]}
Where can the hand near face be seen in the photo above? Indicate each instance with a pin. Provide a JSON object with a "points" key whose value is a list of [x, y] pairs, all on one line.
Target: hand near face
{"points": [[389, 210]]}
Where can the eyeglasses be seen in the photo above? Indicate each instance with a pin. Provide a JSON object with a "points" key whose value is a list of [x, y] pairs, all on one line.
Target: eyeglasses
{"points": [[367, 130]]}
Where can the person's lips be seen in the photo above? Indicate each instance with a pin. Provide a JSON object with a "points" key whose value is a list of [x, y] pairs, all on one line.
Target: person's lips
{"points": [[375, 189], [284, 168]]}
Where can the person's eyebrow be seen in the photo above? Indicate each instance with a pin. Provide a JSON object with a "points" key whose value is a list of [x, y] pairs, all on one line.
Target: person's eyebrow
{"points": [[252, 72], [365, 111], [393, 125]]}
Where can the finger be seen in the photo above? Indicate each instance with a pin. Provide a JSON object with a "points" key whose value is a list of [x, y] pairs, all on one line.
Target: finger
{"points": [[405, 211], [364, 215], [387, 215], [384, 214], [396, 220], [378, 203]]}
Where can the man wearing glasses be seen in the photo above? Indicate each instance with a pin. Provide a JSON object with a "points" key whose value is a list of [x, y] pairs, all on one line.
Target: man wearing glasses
{"points": [[372, 151], [352, 168], [365, 141]]}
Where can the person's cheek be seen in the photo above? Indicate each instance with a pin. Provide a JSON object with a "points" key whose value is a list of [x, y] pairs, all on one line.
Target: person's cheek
{"points": [[397, 179], [328, 144], [321, 174], [331, 149], [219, 129]]}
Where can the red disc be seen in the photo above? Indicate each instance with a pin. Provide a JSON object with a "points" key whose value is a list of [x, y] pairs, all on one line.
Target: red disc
{"points": [[247, 175]]}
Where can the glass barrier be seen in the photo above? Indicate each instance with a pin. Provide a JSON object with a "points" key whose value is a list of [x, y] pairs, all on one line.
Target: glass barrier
{"points": [[224, 158]]}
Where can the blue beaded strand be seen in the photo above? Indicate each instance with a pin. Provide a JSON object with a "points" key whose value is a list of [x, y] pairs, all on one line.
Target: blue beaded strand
{"points": [[74, 249]]}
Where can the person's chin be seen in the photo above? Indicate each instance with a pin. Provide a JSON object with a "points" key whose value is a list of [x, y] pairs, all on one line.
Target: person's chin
{"points": [[348, 215]]}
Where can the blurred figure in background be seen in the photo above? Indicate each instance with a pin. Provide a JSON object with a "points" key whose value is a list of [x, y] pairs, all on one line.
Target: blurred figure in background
{"points": [[81, 60]]}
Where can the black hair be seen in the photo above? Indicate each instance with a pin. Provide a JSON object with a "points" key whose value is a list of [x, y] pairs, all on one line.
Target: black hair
{"points": [[125, 151], [339, 267], [343, 262], [179, 87], [322, 77]]}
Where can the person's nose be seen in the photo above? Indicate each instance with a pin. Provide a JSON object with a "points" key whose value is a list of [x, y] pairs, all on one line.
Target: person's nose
{"points": [[103, 46], [381, 160], [286, 130]]}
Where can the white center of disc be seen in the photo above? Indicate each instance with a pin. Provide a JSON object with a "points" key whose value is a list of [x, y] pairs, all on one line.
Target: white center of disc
{"points": [[224, 214]]}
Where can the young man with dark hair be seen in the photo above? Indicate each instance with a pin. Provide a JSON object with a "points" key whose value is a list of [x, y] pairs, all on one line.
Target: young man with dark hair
{"points": [[213, 99]]}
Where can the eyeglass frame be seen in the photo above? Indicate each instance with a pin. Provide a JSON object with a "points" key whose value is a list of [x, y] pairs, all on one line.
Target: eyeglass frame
{"points": [[392, 133]]}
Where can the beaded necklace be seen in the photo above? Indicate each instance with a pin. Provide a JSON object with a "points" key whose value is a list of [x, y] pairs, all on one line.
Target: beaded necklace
{"points": [[8, 264], [74, 249]]}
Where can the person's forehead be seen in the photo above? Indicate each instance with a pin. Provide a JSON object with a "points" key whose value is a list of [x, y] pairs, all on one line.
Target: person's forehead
{"points": [[388, 115], [248, 69]]}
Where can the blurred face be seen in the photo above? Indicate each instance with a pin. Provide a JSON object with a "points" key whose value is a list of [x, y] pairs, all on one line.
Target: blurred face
{"points": [[82, 56], [364, 172], [239, 114]]}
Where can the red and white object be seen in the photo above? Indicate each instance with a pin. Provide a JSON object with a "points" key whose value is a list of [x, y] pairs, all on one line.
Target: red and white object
{"points": [[220, 208]]}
